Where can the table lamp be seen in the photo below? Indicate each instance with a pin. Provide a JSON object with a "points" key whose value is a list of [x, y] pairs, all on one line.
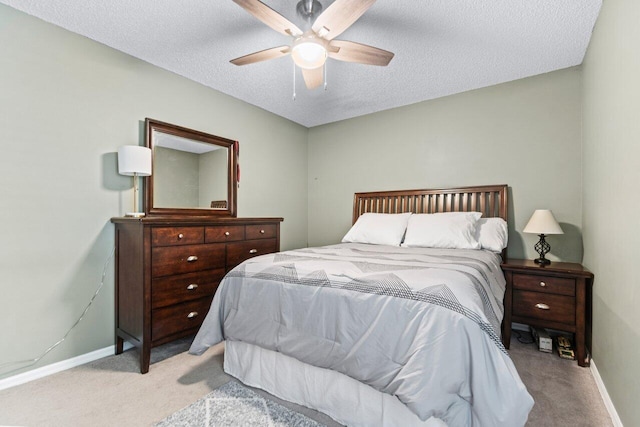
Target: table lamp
{"points": [[135, 161], [543, 222]]}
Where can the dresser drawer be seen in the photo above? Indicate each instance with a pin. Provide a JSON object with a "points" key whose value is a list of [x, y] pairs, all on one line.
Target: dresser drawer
{"points": [[240, 251], [184, 287], [171, 260], [537, 305], [177, 318], [224, 233], [261, 231], [170, 236], [552, 285]]}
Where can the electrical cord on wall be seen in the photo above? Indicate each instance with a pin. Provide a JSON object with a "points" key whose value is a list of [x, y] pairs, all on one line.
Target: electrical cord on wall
{"points": [[31, 362]]}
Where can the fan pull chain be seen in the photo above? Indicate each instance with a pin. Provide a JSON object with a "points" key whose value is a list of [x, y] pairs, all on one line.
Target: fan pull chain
{"points": [[294, 81], [325, 76]]}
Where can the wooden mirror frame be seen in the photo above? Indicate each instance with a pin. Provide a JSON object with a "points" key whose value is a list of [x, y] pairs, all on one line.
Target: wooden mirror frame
{"points": [[151, 126]]}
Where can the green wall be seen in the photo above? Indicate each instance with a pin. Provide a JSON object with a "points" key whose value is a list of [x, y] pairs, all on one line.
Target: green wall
{"points": [[66, 104], [611, 203], [524, 133]]}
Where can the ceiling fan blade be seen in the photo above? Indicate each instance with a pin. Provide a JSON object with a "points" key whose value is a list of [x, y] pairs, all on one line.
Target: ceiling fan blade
{"points": [[263, 55], [339, 16], [313, 77], [270, 17], [360, 53]]}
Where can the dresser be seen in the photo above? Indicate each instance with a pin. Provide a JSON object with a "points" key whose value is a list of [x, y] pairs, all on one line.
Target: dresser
{"points": [[556, 296], [168, 269]]}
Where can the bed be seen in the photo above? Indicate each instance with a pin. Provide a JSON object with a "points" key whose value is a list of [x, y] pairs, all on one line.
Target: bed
{"points": [[389, 327]]}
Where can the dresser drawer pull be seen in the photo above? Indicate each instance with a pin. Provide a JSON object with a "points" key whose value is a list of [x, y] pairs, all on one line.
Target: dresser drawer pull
{"points": [[543, 284], [192, 314], [226, 233], [542, 306], [180, 236], [192, 258], [192, 287], [253, 251], [261, 231]]}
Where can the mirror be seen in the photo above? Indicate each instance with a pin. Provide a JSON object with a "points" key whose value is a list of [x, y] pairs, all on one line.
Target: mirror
{"points": [[194, 173]]}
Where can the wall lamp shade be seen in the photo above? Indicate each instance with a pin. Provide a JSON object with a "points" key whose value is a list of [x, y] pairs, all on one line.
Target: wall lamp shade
{"points": [[135, 161], [543, 222]]}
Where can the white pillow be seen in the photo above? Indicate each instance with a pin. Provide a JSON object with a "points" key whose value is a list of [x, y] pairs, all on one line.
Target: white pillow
{"points": [[492, 234], [453, 230], [378, 229]]}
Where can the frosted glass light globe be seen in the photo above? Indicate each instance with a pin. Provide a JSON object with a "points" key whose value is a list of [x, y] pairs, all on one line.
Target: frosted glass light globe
{"points": [[309, 53]]}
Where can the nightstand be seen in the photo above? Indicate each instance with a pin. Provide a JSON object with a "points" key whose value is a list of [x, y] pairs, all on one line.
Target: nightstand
{"points": [[556, 296]]}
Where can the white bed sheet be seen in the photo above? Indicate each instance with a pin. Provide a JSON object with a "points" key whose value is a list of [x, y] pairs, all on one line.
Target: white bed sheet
{"points": [[344, 399]]}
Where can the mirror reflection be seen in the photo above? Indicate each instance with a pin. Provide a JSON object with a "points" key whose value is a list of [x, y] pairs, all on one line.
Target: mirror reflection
{"points": [[189, 174], [194, 173]]}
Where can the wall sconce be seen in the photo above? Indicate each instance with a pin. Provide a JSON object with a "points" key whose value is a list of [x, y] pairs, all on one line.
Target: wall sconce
{"points": [[542, 222], [135, 161]]}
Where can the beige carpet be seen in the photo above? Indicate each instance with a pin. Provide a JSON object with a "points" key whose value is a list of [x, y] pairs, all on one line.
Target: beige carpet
{"points": [[111, 391], [564, 393]]}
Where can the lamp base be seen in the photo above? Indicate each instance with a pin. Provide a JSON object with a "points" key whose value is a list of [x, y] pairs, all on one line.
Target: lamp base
{"points": [[543, 248], [135, 214]]}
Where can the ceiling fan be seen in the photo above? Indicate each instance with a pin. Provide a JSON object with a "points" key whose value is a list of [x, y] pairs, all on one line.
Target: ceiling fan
{"points": [[311, 48]]}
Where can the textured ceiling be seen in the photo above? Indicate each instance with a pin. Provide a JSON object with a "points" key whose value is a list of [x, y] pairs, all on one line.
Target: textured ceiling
{"points": [[441, 47]]}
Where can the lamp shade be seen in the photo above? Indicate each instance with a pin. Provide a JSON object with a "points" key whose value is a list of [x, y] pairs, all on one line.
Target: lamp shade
{"points": [[543, 222], [133, 159]]}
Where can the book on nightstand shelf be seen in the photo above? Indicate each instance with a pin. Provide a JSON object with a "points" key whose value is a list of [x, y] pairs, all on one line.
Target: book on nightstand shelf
{"points": [[545, 342], [564, 347], [542, 338]]}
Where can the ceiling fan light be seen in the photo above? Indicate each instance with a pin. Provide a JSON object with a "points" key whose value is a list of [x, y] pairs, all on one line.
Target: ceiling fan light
{"points": [[309, 54]]}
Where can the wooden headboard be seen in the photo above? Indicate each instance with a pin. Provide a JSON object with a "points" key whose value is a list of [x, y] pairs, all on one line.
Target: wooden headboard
{"points": [[491, 200]]}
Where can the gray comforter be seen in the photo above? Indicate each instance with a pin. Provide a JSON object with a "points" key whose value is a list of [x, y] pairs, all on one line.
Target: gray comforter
{"points": [[420, 324]]}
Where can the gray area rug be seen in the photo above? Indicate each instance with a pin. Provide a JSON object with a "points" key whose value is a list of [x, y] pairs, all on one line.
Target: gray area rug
{"points": [[235, 405]]}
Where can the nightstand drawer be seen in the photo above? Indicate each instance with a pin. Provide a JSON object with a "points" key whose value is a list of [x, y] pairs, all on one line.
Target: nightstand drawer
{"points": [[551, 308], [538, 283]]}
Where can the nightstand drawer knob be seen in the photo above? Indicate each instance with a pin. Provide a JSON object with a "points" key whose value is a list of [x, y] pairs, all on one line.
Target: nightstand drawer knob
{"points": [[261, 231], [542, 306], [180, 236], [192, 287], [192, 258], [192, 314], [543, 284], [226, 233], [253, 251]]}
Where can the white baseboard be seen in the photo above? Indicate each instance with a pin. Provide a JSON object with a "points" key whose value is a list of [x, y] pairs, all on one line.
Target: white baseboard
{"points": [[59, 366], [605, 396]]}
